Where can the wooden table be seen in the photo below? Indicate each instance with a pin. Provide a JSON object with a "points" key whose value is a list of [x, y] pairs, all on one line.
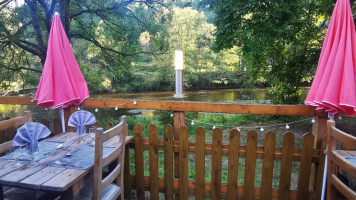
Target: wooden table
{"points": [[40, 176]]}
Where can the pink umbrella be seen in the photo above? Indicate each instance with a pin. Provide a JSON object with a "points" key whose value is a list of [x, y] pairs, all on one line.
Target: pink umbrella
{"points": [[334, 85], [62, 83]]}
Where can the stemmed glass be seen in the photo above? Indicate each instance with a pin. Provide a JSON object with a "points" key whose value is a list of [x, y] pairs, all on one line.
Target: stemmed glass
{"points": [[92, 134], [32, 154], [15, 152]]}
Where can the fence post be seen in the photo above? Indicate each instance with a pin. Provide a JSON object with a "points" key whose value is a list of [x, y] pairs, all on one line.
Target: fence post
{"points": [[67, 113], [178, 121], [139, 164], [319, 130]]}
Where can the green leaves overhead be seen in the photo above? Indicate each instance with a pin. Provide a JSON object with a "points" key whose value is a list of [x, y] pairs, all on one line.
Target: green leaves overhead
{"points": [[280, 40]]}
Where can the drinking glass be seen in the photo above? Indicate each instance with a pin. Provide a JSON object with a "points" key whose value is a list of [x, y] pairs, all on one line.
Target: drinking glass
{"points": [[32, 155], [15, 152], [92, 134]]}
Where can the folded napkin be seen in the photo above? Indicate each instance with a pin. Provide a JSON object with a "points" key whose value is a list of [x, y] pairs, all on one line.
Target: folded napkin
{"points": [[352, 160], [29, 134], [81, 118]]}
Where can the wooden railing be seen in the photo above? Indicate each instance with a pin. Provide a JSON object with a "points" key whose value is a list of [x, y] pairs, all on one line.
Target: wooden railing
{"points": [[177, 147]]}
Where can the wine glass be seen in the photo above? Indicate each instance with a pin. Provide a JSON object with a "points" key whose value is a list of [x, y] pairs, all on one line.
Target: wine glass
{"points": [[32, 154], [92, 134], [15, 152]]}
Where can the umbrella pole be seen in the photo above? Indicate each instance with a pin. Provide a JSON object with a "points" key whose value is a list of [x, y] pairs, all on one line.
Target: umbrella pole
{"points": [[61, 113], [324, 178]]}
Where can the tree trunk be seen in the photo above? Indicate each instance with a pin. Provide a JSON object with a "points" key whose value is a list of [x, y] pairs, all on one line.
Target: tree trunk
{"points": [[64, 14], [36, 26]]}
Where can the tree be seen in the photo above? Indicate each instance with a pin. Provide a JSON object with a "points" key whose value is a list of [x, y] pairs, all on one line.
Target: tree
{"points": [[109, 28], [188, 29], [280, 40]]}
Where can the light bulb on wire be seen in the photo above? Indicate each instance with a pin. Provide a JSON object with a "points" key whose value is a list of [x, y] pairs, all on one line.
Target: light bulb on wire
{"points": [[171, 115], [287, 126], [313, 120], [116, 108], [214, 127], [262, 129], [96, 109], [192, 123], [78, 108], [134, 102], [339, 118]]}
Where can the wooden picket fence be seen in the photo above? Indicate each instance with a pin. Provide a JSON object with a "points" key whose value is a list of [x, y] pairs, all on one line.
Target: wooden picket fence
{"points": [[182, 186]]}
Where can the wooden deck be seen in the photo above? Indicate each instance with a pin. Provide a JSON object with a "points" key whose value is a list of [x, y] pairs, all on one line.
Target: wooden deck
{"points": [[176, 150]]}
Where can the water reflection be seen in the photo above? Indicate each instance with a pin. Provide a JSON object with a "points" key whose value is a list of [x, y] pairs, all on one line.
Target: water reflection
{"points": [[226, 95]]}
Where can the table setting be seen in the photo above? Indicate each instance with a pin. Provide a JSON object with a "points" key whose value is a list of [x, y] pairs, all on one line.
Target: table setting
{"points": [[27, 149]]}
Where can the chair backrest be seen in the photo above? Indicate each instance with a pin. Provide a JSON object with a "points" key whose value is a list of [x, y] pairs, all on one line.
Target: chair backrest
{"points": [[6, 125], [348, 142], [117, 157], [340, 145]]}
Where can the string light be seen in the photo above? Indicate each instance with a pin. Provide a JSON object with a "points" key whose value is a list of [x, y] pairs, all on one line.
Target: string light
{"points": [[46, 108], [339, 118], [117, 106], [214, 125], [32, 100], [245, 127]]}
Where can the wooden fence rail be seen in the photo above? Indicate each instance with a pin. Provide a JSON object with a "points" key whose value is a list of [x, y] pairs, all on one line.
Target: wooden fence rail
{"points": [[214, 189]]}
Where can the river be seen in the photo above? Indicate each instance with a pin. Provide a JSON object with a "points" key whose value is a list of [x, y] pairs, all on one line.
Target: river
{"points": [[226, 95]]}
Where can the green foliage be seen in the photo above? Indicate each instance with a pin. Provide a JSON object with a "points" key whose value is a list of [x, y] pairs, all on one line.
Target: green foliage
{"points": [[104, 37], [280, 40], [202, 67]]}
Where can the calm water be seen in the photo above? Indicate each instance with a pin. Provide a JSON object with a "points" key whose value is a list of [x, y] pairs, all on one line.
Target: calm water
{"points": [[227, 95]]}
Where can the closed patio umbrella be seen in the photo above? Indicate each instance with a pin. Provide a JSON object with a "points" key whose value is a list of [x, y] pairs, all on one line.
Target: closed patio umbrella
{"points": [[62, 83], [334, 85]]}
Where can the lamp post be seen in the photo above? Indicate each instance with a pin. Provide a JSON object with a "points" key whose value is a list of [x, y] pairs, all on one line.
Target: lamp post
{"points": [[178, 66], [179, 116]]}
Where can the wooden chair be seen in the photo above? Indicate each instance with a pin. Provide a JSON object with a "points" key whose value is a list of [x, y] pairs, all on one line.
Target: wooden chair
{"points": [[7, 125], [11, 123], [111, 187], [341, 172]]}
